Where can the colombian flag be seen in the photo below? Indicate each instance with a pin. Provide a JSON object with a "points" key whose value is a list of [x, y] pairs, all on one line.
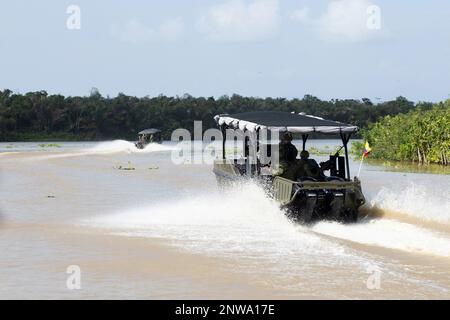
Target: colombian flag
{"points": [[367, 149]]}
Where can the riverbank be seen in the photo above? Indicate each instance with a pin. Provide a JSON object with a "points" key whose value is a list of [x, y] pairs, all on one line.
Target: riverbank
{"points": [[421, 136]]}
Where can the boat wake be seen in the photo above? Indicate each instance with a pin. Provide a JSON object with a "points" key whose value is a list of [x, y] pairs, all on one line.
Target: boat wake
{"points": [[109, 147], [391, 234], [411, 220], [245, 220], [125, 146], [415, 201], [241, 220]]}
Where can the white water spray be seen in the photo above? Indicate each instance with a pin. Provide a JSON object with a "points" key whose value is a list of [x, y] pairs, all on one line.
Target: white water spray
{"points": [[125, 146], [432, 204], [109, 147]]}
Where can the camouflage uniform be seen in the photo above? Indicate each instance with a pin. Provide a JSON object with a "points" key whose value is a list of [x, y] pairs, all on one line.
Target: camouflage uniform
{"points": [[288, 154]]}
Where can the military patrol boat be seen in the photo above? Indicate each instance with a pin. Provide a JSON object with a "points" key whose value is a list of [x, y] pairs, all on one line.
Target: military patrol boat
{"points": [[305, 198], [148, 136]]}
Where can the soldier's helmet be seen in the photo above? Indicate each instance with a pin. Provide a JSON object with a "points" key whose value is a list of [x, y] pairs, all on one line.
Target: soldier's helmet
{"points": [[304, 154], [287, 136]]}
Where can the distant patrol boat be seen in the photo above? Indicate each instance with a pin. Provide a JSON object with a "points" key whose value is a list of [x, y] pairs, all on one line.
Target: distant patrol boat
{"points": [[148, 136]]}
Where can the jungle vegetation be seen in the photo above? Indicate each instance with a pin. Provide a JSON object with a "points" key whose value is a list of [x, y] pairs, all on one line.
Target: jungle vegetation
{"points": [[39, 116], [422, 135]]}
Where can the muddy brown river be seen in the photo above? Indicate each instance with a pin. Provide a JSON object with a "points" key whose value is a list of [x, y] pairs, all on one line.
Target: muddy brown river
{"points": [[165, 231]]}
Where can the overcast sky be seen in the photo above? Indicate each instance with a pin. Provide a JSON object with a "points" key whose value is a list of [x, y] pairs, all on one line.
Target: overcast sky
{"points": [[378, 49]]}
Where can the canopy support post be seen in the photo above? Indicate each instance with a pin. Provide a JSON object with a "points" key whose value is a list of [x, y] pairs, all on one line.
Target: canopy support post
{"points": [[345, 139], [258, 163], [247, 155], [304, 138], [224, 140]]}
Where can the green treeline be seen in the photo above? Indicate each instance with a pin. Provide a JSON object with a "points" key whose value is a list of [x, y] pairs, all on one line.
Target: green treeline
{"points": [[397, 130], [421, 135], [40, 116]]}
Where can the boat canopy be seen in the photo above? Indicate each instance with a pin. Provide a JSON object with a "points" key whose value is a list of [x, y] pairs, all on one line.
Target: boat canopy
{"points": [[283, 121], [149, 131]]}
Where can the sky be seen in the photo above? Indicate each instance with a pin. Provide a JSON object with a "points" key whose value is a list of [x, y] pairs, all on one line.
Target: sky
{"points": [[333, 49]]}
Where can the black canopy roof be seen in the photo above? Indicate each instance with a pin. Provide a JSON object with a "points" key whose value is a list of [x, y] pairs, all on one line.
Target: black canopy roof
{"points": [[283, 121], [150, 131]]}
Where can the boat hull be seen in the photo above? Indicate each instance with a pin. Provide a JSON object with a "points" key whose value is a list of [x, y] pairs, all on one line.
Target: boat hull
{"points": [[303, 201]]}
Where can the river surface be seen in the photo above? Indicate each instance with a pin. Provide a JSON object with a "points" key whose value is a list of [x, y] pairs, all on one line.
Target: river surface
{"points": [[165, 231]]}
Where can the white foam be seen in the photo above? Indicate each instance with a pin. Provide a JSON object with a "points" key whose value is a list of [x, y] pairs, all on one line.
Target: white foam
{"points": [[432, 203], [109, 147], [125, 146], [389, 234], [244, 220]]}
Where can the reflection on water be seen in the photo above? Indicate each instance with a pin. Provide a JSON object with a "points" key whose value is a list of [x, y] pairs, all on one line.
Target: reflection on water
{"points": [[166, 231]]}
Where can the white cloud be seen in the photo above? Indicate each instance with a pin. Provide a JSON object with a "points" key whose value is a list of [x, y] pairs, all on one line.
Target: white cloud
{"points": [[171, 29], [138, 33], [301, 15], [345, 21], [239, 20]]}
